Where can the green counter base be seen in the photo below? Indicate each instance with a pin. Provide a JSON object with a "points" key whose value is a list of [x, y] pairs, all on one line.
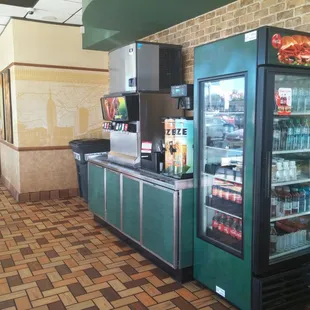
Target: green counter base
{"points": [[180, 275]]}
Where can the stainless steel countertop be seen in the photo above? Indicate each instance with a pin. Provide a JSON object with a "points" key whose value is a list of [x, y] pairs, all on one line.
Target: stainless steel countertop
{"points": [[150, 177]]}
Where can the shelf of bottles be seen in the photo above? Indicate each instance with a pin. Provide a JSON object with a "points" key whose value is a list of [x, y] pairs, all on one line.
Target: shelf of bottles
{"points": [[221, 201], [290, 170]]}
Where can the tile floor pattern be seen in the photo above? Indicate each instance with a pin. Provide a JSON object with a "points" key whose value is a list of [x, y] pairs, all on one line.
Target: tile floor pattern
{"points": [[54, 256]]}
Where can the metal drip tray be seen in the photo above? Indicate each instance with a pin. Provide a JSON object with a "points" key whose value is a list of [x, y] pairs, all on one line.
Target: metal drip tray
{"points": [[124, 160]]}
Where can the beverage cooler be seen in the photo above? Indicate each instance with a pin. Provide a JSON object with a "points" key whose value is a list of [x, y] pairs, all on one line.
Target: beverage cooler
{"points": [[252, 172]]}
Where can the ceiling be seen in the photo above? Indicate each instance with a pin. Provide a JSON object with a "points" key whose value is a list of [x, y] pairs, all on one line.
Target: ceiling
{"points": [[57, 11], [113, 23]]}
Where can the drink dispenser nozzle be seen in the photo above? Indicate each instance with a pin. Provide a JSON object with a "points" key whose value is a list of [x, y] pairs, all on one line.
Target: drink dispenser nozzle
{"points": [[171, 148]]}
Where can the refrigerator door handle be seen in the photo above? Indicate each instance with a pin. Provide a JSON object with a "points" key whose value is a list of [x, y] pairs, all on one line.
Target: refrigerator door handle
{"points": [[268, 181]]}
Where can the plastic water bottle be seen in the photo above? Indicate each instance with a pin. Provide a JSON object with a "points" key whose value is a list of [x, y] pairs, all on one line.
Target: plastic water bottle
{"points": [[276, 136], [301, 100], [297, 135], [290, 136], [305, 135], [307, 99], [307, 190], [284, 130]]}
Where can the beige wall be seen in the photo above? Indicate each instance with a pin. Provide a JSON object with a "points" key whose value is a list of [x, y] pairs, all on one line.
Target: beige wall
{"points": [[51, 105], [51, 44], [10, 168], [58, 166], [6, 47], [237, 17]]}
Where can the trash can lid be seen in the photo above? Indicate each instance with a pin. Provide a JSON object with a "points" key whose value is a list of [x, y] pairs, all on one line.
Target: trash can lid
{"points": [[87, 141]]}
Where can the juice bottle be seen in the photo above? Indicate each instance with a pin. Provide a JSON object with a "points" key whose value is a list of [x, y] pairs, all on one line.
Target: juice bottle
{"points": [[227, 226], [222, 223], [239, 231], [273, 206], [295, 200], [233, 230], [302, 199], [287, 201], [280, 203], [215, 220]]}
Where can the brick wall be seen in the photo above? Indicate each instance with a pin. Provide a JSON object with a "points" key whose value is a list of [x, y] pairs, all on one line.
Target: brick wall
{"points": [[237, 17]]}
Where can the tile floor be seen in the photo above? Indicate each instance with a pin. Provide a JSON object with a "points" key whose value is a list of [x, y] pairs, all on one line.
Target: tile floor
{"points": [[54, 256]]}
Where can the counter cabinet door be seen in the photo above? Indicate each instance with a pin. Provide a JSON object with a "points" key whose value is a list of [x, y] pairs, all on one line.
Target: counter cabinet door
{"points": [[131, 208], [96, 190], [159, 222], [113, 201]]}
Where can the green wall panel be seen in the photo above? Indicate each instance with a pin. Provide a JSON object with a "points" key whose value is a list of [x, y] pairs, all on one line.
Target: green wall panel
{"points": [[131, 208], [157, 221], [187, 228], [113, 199], [96, 190]]}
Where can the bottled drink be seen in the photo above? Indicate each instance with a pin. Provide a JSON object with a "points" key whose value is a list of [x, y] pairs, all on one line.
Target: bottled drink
{"points": [[279, 173], [214, 190], [274, 204], [215, 220], [222, 222], [297, 135], [295, 200], [284, 130], [307, 191], [307, 99], [220, 192], [227, 225], [290, 136], [294, 98], [305, 135], [273, 240], [233, 230], [301, 100], [293, 171], [232, 196], [238, 196], [239, 230], [302, 199], [281, 199], [287, 206], [226, 193], [286, 170], [276, 136]]}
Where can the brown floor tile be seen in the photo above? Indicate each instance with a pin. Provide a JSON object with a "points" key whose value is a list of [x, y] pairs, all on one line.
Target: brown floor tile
{"points": [[136, 283], [160, 274], [183, 304], [26, 251], [76, 289], [170, 287], [14, 281], [58, 305], [42, 241], [45, 285], [63, 269], [137, 306], [7, 304], [34, 266], [84, 251], [129, 270], [19, 239], [6, 263], [218, 306], [92, 273], [110, 294], [51, 254]]}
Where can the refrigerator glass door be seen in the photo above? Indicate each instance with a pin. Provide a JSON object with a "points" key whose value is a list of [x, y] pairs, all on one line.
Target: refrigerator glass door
{"points": [[221, 165], [290, 168]]}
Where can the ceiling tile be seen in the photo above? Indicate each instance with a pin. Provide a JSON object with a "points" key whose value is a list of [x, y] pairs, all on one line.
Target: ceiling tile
{"points": [[75, 20], [4, 20], [58, 6], [49, 16], [11, 10], [1, 28]]}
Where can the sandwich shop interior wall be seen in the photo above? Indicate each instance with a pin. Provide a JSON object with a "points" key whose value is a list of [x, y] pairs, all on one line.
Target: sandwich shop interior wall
{"points": [[234, 18]]}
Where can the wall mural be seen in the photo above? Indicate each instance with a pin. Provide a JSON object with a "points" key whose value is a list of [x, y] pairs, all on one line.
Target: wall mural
{"points": [[7, 106], [55, 106]]}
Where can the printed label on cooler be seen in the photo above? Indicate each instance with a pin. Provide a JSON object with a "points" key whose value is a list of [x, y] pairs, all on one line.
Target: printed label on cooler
{"points": [[146, 147], [283, 99]]}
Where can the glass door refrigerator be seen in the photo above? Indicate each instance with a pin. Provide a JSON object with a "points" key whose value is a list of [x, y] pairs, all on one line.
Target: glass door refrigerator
{"points": [[252, 173]]}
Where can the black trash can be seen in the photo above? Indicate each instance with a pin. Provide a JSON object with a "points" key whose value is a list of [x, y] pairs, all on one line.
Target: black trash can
{"points": [[82, 149]]}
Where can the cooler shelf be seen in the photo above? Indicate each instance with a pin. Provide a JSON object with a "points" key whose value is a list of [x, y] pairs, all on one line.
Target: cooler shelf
{"points": [[291, 152], [293, 114], [224, 206], [275, 219], [220, 210], [296, 249], [291, 182], [223, 179]]}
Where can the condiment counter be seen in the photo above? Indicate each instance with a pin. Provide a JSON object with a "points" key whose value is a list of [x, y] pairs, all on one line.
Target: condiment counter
{"points": [[151, 212]]}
